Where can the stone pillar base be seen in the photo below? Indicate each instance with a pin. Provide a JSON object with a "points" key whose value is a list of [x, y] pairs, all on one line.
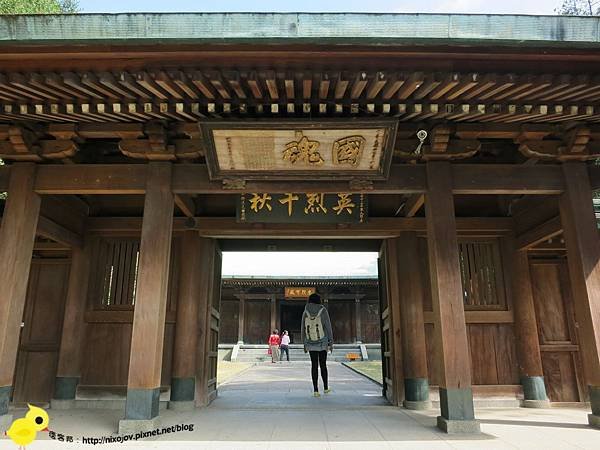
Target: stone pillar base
{"points": [[132, 426], [536, 404], [59, 403], [182, 405], [594, 420], [417, 405], [5, 422], [458, 426]]}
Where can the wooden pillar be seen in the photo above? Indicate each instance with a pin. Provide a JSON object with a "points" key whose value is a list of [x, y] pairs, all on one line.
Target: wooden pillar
{"points": [[414, 350], [72, 340], [17, 235], [358, 321], [392, 291], [183, 378], [456, 395], [583, 254], [527, 340], [242, 312], [273, 313], [145, 360]]}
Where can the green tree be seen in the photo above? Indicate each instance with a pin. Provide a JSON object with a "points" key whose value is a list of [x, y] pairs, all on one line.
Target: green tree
{"points": [[579, 8], [38, 6]]}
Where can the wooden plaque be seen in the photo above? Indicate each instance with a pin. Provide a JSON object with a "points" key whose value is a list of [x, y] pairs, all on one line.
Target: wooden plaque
{"points": [[299, 292], [299, 149]]}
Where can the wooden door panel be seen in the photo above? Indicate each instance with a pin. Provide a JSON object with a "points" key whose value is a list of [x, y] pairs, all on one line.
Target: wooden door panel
{"points": [[230, 310], [556, 328], [550, 307]]}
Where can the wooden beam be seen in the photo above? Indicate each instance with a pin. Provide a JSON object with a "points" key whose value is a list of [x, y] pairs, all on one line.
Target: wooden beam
{"points": [[376, 227], [539, 234], [127, 179], [186, 204], [413, 204], [51, 230], [507, 179], [17, 235]]}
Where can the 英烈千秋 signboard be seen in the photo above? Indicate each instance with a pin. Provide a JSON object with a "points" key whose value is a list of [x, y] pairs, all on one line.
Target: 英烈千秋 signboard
{"points": [[299, 292], [302, 208]]}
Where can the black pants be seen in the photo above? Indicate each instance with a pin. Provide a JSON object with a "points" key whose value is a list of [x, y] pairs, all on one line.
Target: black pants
{"points": [[286, 349], [318, 359]]}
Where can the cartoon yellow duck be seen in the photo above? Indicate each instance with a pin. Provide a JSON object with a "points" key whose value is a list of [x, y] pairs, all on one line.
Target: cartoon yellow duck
{"points": [[23, 431]]}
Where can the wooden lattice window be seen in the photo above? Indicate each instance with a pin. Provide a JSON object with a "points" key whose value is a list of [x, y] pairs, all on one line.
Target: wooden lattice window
{"points": [[481, 273], [114, 281]]}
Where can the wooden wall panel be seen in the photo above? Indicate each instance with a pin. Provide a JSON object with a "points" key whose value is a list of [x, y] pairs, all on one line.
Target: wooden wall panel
{"points": [[341, 314], [370, 322], [106, 359], [257, 321], [40, 338], [550, 308], [492, 351], [228, 332]]}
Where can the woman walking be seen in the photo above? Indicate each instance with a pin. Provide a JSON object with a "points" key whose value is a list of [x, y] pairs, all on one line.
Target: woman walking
{"points": [[285, 342], [274, 346], [318, 339]]}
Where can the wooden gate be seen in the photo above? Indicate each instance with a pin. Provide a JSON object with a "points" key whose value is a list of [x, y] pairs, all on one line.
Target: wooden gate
{"points": [[40, 337], [214, 319], [556, 329]]}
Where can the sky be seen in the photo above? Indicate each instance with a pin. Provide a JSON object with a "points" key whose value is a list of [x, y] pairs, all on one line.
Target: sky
{"points": [[425, 6], [299, 264]]}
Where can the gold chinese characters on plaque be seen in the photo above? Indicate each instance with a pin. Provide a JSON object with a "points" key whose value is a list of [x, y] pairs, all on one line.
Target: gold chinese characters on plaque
{"points": [[299, 149], [299, 292]]}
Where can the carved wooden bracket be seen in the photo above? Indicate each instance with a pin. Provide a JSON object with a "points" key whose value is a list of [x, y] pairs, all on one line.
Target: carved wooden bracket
{"points": [[575, 145], [161, 143], [30, 143]]}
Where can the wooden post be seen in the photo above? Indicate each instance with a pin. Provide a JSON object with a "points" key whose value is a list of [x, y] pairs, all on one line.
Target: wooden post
{"points": [[183, 378], [17, 236], [392, 290], [414, 351], [273, 313], [456, 395], [145, 361], [527, 342], [358, 321], [583, 255], [242, 308], [72, 340]]}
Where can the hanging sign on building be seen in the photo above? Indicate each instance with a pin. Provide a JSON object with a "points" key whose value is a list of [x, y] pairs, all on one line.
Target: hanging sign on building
{"points": [[302, 208], [299, 149], [299, 292]]}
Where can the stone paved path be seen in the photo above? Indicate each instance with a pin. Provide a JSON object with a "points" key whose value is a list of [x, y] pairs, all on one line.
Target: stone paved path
{"points": [[271, 407]]}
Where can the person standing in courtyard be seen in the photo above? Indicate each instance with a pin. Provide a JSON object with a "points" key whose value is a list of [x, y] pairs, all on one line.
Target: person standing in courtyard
{"points": [[285, 345], [317, 337], [274, 342]]}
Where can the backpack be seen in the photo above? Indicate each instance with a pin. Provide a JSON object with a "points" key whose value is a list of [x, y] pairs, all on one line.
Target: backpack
{"points": [[313, 326]]}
